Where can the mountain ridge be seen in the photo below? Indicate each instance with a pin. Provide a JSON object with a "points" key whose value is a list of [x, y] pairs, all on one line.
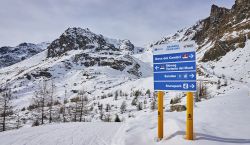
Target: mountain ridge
{"points": [[219, 29], [11, 55]]}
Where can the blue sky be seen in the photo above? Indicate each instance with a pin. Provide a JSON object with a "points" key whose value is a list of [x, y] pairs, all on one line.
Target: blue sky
{"points": [[141, 21]]}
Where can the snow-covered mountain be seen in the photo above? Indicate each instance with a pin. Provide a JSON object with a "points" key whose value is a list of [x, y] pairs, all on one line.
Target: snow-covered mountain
{"points": [[11, 55], [222, 39], [78, 60], [84, 39], [80, 49]]}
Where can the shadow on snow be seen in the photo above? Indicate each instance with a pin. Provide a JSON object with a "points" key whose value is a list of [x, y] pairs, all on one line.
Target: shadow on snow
{"points": [[202, 136]]}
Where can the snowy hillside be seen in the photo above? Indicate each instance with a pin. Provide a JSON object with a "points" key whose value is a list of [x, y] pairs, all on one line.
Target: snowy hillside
{"points": [[220, 121], [106, 70]]}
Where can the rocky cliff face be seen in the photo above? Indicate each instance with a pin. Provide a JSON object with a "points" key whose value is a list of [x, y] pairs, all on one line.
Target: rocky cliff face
{"points": [[221, 29], [83, 39], [96, 50], [226, 29]]}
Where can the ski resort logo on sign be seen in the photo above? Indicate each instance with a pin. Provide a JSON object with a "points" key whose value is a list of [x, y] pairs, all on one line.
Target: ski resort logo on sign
{"points": [[185, 56], [175, 67]]}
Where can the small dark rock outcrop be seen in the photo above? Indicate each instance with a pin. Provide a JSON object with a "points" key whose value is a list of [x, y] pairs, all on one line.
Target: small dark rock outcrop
{"points": [[177, 108], [41, 73]]}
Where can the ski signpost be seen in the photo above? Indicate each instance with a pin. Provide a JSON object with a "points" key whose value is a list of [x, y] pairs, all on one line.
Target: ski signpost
{"points": [[175, 70]]}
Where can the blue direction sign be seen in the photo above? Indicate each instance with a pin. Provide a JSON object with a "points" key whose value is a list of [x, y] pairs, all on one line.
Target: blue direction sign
{"points": [[175, 57], [175, 67], [187, 76], [180, 66], [177, 86]]}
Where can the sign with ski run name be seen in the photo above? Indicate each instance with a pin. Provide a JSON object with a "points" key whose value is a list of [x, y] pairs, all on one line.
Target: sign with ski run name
{"points": [[175, 67]]}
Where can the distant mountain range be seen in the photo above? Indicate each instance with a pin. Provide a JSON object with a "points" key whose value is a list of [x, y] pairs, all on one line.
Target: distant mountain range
{"points": [[11, 55]]}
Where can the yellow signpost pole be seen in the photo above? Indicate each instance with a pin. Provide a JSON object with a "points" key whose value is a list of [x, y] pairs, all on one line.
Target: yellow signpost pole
{"points": [[160, 114], [189, 129]]}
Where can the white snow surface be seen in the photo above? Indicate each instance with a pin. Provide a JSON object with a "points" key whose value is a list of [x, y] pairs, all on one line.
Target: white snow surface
{"points": [[219, 121], [65, 134]]}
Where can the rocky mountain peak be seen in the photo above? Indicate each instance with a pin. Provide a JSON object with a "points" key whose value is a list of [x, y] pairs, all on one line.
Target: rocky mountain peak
{"points": [[226, 29], [221, 22], [78, 38], [77, 31], [24, 44], [73, 38], [217, 13], [242, 2], [241, 10], [127, 45]]}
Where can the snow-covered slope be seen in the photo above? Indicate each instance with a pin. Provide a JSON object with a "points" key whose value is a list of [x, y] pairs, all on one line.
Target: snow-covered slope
{"points": [[79, 60], [66, 134], [220, 121]]}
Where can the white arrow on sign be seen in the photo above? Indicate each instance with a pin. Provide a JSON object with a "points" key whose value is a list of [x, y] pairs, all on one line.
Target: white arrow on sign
{"points": [[191, 76], [192, 86], [156, 67], [191, 55]]}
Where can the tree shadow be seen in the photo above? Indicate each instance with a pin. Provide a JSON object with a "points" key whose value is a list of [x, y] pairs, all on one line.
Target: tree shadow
{"points": [[203, 136]]}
